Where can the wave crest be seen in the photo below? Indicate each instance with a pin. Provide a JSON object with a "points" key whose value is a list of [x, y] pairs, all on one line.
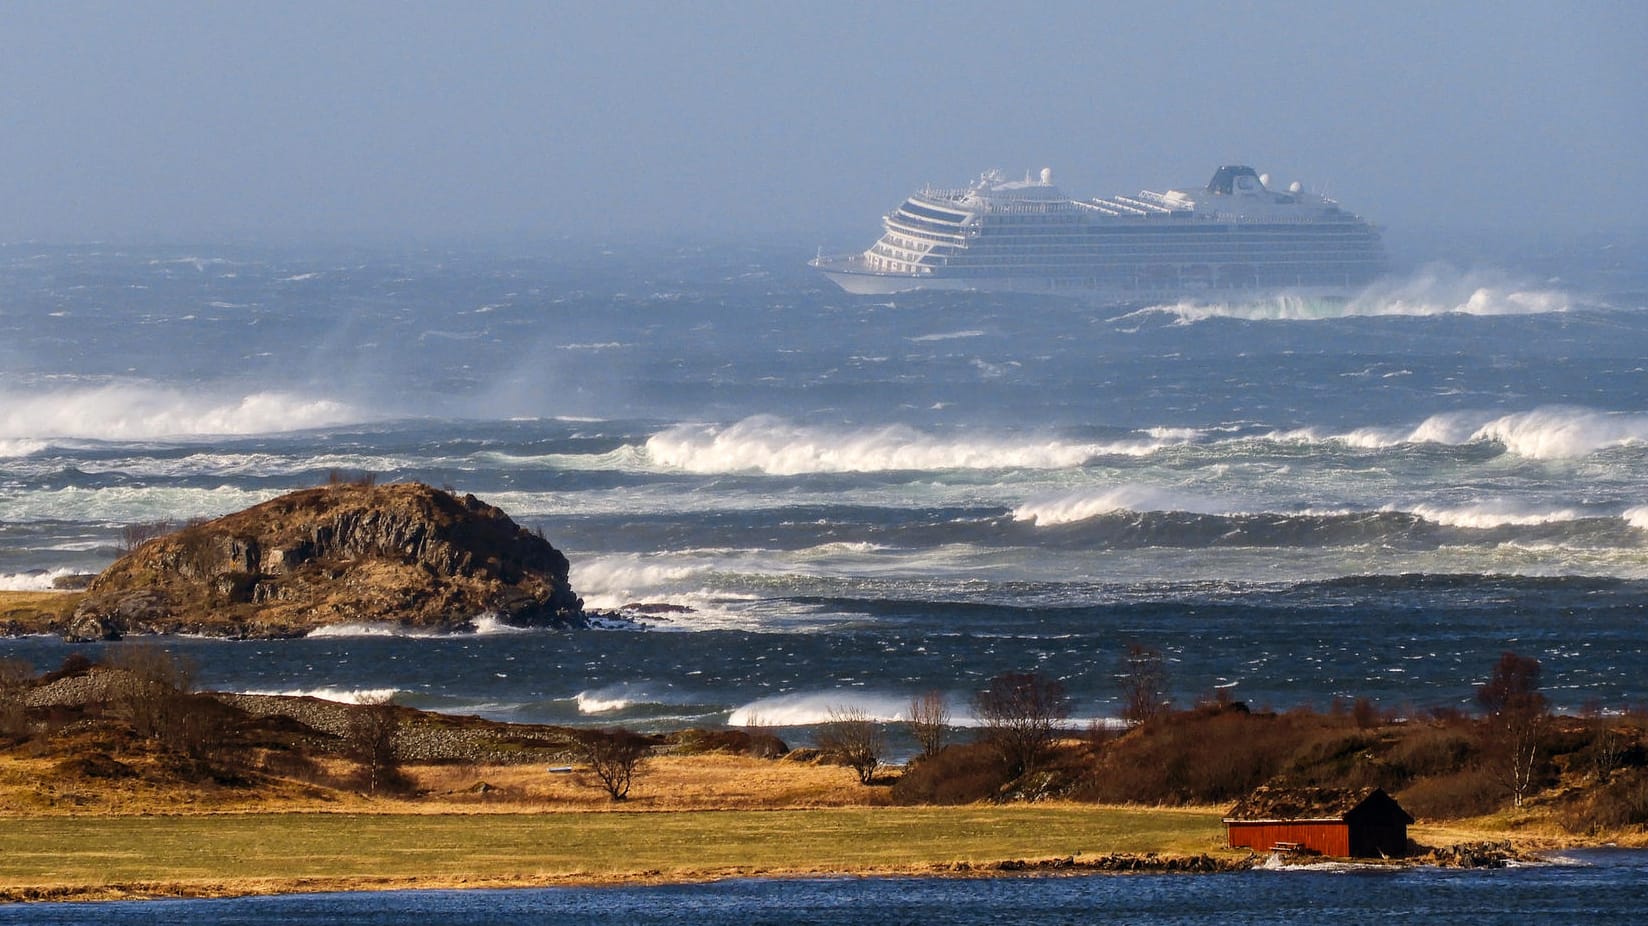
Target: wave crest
{"points": [[1072, 507], [1554, 433], [1436, 289], [771, 445]]}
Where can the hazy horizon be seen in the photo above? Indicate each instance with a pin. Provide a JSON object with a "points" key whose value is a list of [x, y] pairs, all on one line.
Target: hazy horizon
{"points": [[382, 123]]}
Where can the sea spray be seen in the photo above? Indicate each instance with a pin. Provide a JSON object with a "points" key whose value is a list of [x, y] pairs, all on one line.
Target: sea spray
{"points": [[137, 411]]}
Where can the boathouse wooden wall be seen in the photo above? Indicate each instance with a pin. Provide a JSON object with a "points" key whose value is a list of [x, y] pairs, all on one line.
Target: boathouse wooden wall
{"points": [[1327, 837]]}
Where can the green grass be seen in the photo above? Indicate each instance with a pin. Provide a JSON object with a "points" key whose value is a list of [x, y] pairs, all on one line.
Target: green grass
{"points": [[91, 852]]}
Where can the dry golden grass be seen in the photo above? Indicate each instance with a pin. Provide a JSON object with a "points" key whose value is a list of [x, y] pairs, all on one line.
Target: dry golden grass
{"points": [[33, 612], [666, 783]]}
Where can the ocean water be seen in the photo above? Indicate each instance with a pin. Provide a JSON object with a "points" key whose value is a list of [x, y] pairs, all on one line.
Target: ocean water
{"points": [[860, 499], [1597, 886]]}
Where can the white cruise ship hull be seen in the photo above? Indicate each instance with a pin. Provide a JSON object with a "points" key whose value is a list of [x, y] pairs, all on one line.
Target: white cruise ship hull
{"points": [[1234, 240]]}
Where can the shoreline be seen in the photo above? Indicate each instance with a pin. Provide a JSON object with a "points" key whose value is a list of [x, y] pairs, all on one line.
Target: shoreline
{"points": [[141, 856]]}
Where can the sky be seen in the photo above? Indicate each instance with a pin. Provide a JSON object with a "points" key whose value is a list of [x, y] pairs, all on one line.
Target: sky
{"points": [[379, 122]]}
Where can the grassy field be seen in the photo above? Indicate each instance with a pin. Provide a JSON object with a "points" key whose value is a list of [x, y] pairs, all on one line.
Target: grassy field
{"points": [[255, 853]]}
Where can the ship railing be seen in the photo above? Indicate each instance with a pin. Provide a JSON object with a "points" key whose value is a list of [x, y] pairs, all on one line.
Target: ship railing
{"points": [[1101, 206], [1115, 202], [1143, 205]]}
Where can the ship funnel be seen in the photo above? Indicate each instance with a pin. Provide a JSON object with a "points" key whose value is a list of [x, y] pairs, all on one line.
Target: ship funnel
{"points": [[1047, 176]]}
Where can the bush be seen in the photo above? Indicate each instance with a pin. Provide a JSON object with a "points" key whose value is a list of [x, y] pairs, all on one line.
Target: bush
{"points": [[1431, 750], [1207, 755], [956, 774], [1622, 804], [16, 676], [1467, 793], [760, 744]]}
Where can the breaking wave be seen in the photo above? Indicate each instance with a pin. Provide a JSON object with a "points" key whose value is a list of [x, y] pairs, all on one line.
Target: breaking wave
{"points": [[129, 504], [806, 709], [1489, 515], [771, 445], [140, 412], [329, 693], [39, 580], [1546, 433], [1082, 506], [1437, 289]]}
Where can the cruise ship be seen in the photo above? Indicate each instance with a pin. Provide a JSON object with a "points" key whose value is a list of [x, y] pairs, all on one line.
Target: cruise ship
{"points": [[1235, 237]]}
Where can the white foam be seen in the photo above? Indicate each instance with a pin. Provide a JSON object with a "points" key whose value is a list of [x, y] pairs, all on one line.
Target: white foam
{"points": [[803, 709], [596, 703], [492, 624], [771, 445], [128, 504], [32, 581], [363, 629], [949, 336], [140, 411], [1486, 515], [340, 695], [1437, 289], [1081, 506], [1553, 433], [20, 447], [1637, 517], [614, 581], [1544, 433]]}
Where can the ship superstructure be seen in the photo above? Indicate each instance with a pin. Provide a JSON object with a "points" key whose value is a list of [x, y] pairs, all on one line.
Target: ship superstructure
{"points": [[1235, 236]]}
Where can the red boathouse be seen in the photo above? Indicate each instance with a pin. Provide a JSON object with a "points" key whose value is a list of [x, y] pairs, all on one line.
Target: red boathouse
{"points": [[1341, 822]]}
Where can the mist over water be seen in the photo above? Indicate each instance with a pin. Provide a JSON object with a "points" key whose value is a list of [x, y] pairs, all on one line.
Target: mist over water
{"points": [[852, 500]]}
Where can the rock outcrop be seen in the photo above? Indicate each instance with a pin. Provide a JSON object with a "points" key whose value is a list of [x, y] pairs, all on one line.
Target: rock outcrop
{"points": [[404, 553]]}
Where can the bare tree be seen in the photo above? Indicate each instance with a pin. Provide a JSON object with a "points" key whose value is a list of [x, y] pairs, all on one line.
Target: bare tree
{"points": [[929, 720], [1609, 746], [854, 739], [1021, 713], [370, 740], [614, 756], [1143, 678], [1517, 713]]}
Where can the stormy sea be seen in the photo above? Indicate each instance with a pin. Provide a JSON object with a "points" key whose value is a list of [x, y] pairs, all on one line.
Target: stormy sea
{"points": [[827, 500]]}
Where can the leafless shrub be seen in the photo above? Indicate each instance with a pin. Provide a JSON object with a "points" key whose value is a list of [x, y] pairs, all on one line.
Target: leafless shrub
{"points": [[1610, 742], [361, 479], [1021, 712], [854, 739], [614, 756], [1142, 675], [929, 720], [136, 535]]}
